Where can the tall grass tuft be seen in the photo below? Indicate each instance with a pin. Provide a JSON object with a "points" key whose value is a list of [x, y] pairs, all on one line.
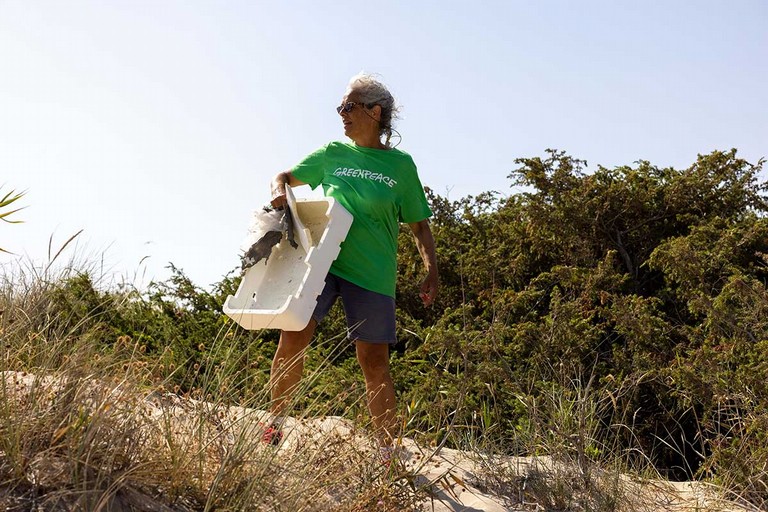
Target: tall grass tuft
{"points": [[92, 422]]}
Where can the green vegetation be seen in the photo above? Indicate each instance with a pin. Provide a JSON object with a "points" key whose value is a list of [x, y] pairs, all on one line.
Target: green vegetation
{"points": [[643, 287], [7, 200], [613, 321]]}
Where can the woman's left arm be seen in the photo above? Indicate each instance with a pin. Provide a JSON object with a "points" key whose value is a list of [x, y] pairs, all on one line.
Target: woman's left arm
{"points": [[426, 246]]}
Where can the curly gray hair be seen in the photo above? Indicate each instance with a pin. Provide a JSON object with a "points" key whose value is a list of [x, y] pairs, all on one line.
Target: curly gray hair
{"points": [[372, 92]]}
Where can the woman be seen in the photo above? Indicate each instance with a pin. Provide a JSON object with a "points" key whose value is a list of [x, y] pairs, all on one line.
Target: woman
{"points": [[379, 186]]}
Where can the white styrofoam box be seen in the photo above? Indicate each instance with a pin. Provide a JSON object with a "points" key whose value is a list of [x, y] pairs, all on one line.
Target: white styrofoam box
{"points": [[282, 293]]}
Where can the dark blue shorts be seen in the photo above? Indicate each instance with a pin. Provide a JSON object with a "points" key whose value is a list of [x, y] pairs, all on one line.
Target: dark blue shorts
{"points": [[370, 315]]}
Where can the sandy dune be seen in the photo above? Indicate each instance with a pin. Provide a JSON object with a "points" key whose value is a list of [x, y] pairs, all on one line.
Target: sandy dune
{"points": [[345, 456]]}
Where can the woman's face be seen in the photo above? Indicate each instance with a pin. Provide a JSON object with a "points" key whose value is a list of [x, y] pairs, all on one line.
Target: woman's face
{"points": [[359, 123]]}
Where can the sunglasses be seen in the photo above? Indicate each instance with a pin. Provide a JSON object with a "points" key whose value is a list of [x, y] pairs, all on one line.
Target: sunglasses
{"points": [[348, 107]]}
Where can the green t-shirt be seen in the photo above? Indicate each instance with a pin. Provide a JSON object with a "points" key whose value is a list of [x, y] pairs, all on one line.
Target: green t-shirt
{"points": [[380, 188]]}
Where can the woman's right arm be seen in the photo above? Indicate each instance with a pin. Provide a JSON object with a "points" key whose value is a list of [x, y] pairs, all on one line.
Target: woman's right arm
{"points": [[278, 187]]}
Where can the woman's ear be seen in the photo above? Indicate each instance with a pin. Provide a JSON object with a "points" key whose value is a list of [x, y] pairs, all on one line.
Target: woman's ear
{"points": [[376, 110]]}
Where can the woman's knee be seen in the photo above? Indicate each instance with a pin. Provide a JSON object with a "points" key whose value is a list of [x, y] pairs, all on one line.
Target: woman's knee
{"points": [[373, 359]]}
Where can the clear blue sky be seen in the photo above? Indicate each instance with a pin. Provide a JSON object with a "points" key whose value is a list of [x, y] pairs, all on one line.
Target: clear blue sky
{"points": [[155, 126]]}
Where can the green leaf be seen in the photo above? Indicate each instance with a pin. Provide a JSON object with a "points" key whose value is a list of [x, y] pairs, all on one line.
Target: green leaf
{"points": [[6, 214], [8, 199]]}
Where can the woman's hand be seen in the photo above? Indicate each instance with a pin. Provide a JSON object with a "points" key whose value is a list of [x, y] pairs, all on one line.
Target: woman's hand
{"points": [[278, 188], [428, 290]]}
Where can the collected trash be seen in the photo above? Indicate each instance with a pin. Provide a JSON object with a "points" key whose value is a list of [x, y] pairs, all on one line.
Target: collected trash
{"points": [[267, 228]]}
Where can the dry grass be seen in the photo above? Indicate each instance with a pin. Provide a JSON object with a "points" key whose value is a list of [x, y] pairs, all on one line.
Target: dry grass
{"points": [[82, 428], [86, 443]]}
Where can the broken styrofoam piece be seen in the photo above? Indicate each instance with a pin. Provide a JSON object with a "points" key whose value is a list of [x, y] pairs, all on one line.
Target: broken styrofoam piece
{"points": [[305, 236], [282, 292]]}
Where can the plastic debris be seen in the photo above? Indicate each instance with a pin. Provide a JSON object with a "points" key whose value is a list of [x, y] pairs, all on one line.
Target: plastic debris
{"points": [[267, 228]]}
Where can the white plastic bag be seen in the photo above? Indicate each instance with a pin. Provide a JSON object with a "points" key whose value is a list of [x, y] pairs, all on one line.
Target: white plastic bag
{"points": [[266, 229]]}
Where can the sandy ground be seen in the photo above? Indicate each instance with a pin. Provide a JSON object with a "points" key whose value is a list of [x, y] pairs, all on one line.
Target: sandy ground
{"points": [[450, 480], [460, 481]]}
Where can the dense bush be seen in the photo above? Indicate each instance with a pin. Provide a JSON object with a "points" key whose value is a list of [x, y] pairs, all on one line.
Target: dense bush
{"points": [[647, 284]]}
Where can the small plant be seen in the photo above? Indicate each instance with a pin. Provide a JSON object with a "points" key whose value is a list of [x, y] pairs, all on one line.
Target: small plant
{"points": [[7, 200]]}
